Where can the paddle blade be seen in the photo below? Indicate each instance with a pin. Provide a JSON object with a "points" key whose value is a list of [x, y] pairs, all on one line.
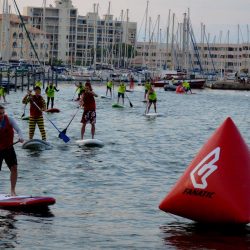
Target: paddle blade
{"points": [[23, 115], [64, 137], [131, 105], [63, 131]]}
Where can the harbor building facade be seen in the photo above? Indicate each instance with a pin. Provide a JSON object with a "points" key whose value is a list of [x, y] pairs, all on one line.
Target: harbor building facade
{"points": [[82, 40], [14, 45], [212, 58]]}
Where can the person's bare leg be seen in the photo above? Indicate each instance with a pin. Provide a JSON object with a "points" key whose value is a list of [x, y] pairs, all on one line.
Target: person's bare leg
{"points": [[83, 130], [13, 180], [149, 105], [93, 130]]}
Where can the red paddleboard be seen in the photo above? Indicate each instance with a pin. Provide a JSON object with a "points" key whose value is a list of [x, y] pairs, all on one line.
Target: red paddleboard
{"points": [[53, 110], [25, 202]]}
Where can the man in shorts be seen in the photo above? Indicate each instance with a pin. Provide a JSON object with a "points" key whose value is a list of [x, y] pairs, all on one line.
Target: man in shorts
{"points": [[152, 98], [121, 92], [89, 115], [7, 151]]}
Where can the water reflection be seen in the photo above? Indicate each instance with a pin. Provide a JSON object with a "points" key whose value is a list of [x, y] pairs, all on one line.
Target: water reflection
{"points": [[8, 219], [199, 236], [8, 232]]}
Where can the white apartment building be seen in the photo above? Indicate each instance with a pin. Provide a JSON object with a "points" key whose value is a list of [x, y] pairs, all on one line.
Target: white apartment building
{"points": [[225, 57], [81, 40], [60, 24], [212, 58], [14, 44], [152, 55]]}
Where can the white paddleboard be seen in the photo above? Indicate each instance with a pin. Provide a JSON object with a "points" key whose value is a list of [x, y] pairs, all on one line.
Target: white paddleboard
{"points": [[36, 144], [153, 115], [105, 97], [90, 143]]}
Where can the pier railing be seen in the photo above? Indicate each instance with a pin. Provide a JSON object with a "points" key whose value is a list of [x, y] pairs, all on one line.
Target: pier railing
{"points": [[25, 80]]}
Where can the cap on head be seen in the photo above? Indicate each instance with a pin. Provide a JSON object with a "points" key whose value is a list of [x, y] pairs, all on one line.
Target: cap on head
{"points": [[37, 88]]}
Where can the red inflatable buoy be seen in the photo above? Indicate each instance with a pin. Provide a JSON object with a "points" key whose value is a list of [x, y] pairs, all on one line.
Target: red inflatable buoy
{"points": [[215, 187]]}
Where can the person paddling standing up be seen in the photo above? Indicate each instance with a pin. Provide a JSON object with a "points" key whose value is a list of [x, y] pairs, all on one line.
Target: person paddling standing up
{"points": [[152, 98], [89, 114], [147, 86], [109, 88], [50, 92], [36, 114], [38, 83], [2, 93], [7, 151], [132, 83], [80, 89], [121, 92]]}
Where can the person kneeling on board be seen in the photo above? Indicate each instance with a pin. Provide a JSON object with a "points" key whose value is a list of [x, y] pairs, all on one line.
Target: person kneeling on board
{"points": [[121, 92], [50, 92], [7, 151], [152, 98], [89, 114], [36, 114], [186, 87]]}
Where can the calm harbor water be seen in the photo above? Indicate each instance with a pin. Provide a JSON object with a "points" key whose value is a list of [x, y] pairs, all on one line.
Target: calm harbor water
{"points": [[107, 198]]}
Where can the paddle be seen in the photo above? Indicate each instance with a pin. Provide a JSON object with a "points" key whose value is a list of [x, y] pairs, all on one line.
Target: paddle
{"points": [[113, 89], [65, 130], [11, 145], [146, 108], [130, 103], [74, 95], [62, 136], [14, 143], [24, 110]]}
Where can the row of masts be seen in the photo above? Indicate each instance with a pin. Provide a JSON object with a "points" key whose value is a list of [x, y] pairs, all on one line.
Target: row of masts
{"points": [[177, 40]]}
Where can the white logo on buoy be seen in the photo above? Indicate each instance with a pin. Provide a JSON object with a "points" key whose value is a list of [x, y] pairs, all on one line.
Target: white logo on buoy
{"points": [[204, 169]]}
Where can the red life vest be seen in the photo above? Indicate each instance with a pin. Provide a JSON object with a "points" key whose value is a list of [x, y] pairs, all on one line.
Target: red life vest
{"points": [[89, 102], [6, 133], [34, 111]]}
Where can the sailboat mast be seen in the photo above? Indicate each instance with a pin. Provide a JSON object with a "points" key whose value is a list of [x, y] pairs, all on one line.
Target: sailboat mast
{"points": [[172, 42], [95, 35], [167, 38], [145, 35]]}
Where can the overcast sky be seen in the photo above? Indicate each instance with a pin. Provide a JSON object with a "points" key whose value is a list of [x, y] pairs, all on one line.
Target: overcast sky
{"points": [[216, 14]]}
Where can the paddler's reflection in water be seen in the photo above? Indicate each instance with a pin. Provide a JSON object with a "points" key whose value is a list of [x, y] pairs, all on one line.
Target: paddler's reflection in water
{"points": [[8, 231], [203, 236]]}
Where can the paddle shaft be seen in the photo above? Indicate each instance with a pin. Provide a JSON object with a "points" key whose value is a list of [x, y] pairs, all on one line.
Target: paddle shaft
{"points": [[146, 108], [11, 145], [24, 109], [64, 131], [130, 103], [46, 117], [74, 95]]}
